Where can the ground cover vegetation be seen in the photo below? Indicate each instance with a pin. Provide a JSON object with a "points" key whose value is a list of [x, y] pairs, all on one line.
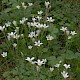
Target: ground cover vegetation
{"points": [[39, 40]]}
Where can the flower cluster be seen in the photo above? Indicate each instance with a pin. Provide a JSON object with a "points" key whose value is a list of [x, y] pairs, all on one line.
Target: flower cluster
{"points": [[35, 29], [23, 5], [64, 73], [69, 33], [38, 62]]}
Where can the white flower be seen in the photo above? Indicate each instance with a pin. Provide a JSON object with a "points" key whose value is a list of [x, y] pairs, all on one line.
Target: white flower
{"points": [[57, 65], [2, 28], [32, 34], [37, 32], [30, 4], [45, 26], [49, 19], [14, 45], [23, 20], [63, 29], [39, 62], [40, 12], [34, 19], [47, 4], [67, 32], [49, 37], [17, 29], [33, 40], [30, 59], [15, 23], [8, 24], [66, 66], [33, 23], [51, 69], [23, 5], [22, 35], [60, 61], [18, 7], [16, 36], [38, 43], [30, 47], [65, 74], [4, 54], [39, 25], [69, 37], [10, 35], [13, 35], [73, 32], [39, 18], [44, 60]]}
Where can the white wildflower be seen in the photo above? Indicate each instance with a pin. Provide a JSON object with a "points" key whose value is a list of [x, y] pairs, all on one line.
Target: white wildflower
{"points": [[60, 61], [10, 35], [51, 69], [30, 59], [34, 19], [8, 24], [30, 4], [63, 29], [33, 40], [18, 7], [66, 66], [2, 28], [22, 35], [67, 32], [40, 12], [30, 47], [65, 74], [38, 25], [16, 36], [32, 34], [47, 4], [57, 65], [39, 62], [44, 60], [45, 26], [14, 45], [49, 37], [38, 43], [17, 29], [37, 32], [49, 19], [4, 54], [15, 23], [23, 20], [39, 18], [69, 37], [23, 5], [73, 33]]}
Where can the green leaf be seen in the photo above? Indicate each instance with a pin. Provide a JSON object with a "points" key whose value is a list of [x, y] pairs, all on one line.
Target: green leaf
{"points": [[77, 55], [55, 30], [7, 10], [45, 49], [0, 50], [68, 55], [6, 74], [52, 60]]}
